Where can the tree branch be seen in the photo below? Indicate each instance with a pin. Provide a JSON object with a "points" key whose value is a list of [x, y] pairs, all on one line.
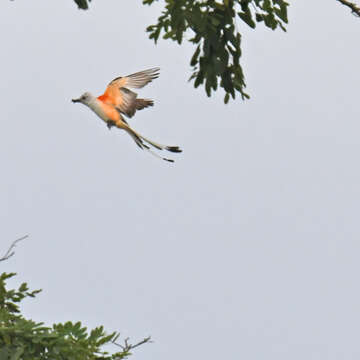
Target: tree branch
{"points": [[355, 9], [127, 347], [11, 251]]}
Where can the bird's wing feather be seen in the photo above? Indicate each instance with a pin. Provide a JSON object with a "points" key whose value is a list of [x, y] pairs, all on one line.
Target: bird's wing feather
{"points": [[137, 80], [127, 105], [117, 95]]}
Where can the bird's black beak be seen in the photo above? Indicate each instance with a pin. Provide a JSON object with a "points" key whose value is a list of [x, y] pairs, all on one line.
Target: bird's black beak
{"points": [[75, 100]]}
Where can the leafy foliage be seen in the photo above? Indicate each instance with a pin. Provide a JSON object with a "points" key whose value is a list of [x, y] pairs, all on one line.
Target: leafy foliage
{"points": [[213, 28], [27, 340]]}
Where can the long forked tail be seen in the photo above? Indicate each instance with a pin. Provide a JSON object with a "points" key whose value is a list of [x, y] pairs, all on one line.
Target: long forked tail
{"points": [[144, 143]]}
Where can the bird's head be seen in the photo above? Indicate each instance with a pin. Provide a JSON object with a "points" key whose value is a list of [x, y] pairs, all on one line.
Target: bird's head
{"points": [[85, 99]]}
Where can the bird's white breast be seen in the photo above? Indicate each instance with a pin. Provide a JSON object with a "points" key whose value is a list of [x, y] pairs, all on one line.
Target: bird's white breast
{"points": [[96, 106]]}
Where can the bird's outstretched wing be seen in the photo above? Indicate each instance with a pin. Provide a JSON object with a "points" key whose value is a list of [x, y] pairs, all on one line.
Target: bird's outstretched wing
{"points": [[124, 100], [137, 80]]}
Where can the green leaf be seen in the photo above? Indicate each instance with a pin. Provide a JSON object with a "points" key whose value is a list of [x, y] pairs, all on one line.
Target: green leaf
{"points": [[267, 6], [82, 4], [179, 35], [199, 79], [195, 57], [282, 12], [259, 17], [247, 18], [270, 21], [23, 287]]}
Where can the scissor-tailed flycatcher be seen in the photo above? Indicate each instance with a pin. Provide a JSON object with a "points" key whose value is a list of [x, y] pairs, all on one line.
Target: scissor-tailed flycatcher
{"points": [[118, 100]]}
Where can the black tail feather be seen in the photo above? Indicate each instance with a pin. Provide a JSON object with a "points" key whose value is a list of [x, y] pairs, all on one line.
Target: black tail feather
{"points": [[140, 142], [174, 149]]}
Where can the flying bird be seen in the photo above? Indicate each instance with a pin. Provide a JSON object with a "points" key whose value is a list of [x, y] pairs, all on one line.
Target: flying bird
{"points": [[118, 100]]}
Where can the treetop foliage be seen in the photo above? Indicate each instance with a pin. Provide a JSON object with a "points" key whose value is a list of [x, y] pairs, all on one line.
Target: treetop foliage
{"points": [[215, 32], [27, 340], [213, 28]]}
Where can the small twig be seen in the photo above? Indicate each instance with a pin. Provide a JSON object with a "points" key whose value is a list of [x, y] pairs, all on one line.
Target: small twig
{"points": [[355, 9], [11, 251], [127, 347]]}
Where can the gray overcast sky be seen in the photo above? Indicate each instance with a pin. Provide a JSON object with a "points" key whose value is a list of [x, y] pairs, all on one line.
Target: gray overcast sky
{"points": [[248, 246]]}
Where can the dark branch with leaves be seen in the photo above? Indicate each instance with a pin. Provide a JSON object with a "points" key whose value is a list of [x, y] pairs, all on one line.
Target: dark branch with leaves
{"points": [[214, 30]]}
